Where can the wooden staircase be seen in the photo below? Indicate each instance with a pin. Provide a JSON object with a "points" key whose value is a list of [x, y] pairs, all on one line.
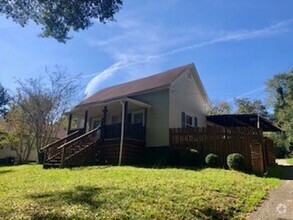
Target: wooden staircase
{"points": [[75, 149]]}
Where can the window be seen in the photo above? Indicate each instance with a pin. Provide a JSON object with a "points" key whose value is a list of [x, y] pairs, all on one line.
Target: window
{"points": [[188, 121], [138, 117], [115, 119], [96, 123], [195, 123]]}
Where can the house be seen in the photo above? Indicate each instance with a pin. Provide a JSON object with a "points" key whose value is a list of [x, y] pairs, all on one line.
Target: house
{"points": [[117, 124]]}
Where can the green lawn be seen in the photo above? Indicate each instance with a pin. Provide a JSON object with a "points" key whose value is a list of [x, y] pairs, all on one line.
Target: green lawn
{"points": [[290, 161], [28, 191]]}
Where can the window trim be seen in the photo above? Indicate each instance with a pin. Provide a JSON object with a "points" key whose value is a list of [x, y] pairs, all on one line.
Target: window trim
{"points": [[118, 118], [135, 112], [189, 125], [95, 119]]}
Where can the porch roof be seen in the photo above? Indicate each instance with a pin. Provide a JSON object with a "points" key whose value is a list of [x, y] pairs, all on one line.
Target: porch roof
{"points": [[243, 120], [130, 100]]}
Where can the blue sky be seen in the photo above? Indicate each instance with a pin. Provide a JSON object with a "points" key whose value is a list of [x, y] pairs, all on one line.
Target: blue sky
{"points": [[235, 45]]}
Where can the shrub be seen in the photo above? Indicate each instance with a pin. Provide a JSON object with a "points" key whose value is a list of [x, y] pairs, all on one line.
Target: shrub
{"points": [[235, 161], [190, 158], [212, 160], [173, 157], [281, 152]]}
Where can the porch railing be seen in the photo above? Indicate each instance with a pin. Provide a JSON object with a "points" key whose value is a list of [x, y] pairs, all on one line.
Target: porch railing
{"points": [[73, 147], [51, 150], [132, 131]]}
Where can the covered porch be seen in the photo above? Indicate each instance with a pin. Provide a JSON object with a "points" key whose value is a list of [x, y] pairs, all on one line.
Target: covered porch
{"points": [[119, 119], [122, 122]]}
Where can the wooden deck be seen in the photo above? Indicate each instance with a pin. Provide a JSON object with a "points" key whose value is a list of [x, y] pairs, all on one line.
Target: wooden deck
{"points": [[99, 146]]}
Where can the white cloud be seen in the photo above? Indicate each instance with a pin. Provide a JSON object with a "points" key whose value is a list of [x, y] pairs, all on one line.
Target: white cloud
{"points": [[151, 44]]}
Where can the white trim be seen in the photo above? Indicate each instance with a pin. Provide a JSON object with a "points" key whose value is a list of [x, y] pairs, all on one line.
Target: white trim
{"points": [[135, 112], [95, 119], [192, 121], [197, 80], [92, 105], [115, 115], [122, 133]]}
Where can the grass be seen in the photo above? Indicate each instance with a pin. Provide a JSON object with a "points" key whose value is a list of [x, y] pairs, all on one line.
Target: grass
{"points": [[290, 160], [29, 192]]}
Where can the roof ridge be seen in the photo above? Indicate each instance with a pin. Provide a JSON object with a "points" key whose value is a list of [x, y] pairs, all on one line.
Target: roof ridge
{"points": [[147, 83], [143, 78]]}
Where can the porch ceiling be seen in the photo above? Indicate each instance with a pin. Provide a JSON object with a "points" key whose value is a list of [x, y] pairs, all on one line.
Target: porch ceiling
{"points": [[243, 120]]}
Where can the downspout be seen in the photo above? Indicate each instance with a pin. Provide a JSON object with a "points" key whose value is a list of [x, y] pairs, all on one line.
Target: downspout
{"points": [[122, 132]]}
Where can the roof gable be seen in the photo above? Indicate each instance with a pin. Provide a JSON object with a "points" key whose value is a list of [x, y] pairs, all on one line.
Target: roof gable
{"points": [[197, 81], [130, 88]]}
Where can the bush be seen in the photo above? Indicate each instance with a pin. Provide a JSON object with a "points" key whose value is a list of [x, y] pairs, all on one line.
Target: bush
{"points": [[235, 161], [212, 160], [173, 157], [190, 158], [281, 152]]}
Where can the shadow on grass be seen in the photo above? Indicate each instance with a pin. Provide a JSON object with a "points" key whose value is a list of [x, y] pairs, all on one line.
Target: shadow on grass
{"points": [[5, 171], [80, 195], [147, 166], [281, 172], [55, 216]]}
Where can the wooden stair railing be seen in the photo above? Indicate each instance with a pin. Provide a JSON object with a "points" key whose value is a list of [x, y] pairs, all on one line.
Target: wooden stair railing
{"points": [[77, 145], [51, 150]]}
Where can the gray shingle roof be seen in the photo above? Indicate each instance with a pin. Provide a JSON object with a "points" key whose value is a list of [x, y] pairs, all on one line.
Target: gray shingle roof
{"points": [[130, 88]]}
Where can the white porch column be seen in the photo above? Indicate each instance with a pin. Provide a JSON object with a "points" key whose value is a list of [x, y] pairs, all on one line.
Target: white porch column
{"points": [[124, 109]]}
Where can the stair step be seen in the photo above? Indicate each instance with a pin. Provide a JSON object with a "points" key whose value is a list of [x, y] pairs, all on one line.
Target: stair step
{"points": [[51, 165]]}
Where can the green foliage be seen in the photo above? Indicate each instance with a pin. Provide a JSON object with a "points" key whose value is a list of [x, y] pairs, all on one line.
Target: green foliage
{"points": [[281, 152], [4, 100], [58, 18], [190, 158], [275, 171], [43, 104], [280, 89], [248, 106], [212, 160], [290, 161], [29, 192], [235, 161], [15, 133], [220, 108]]}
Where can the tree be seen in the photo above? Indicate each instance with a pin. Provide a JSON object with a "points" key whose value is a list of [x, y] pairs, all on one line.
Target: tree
{"points": [[58, 18], [15, 134], [280, 89], [44, 104], [249, 106], [4, 100], [220, 108]]}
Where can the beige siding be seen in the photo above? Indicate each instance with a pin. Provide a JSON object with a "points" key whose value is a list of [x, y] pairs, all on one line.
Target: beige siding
{"points": [[185, 96], [157, 127], [8, 152]]}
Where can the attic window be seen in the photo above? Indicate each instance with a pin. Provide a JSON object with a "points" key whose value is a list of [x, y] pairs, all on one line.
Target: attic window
{"points": [[188, 76]]}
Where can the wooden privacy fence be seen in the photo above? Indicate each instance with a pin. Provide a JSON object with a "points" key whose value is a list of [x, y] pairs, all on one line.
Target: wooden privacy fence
{"points": [[221, 141]]}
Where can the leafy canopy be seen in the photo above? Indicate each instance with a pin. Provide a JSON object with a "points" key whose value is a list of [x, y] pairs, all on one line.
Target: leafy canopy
{"points": [[280, 88], [4, 100], [248, 106], [58, 18]]}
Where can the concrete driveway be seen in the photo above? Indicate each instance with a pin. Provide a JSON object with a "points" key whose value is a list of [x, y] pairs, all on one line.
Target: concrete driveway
{"points": [[279, 204]]}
